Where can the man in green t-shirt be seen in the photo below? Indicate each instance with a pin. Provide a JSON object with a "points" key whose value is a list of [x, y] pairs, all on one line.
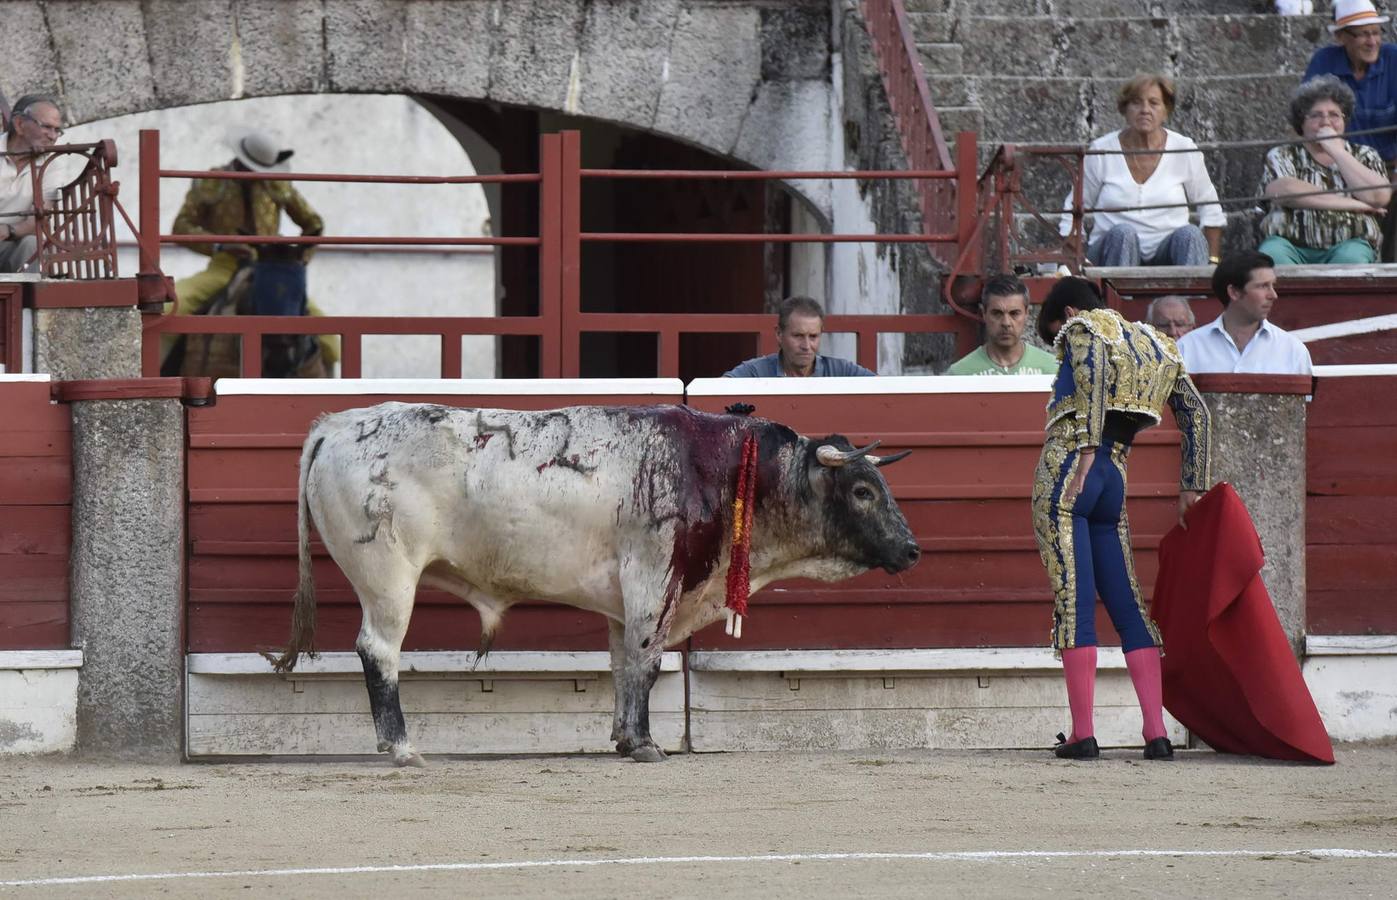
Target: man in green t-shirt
{"points": [[1004, 302]]}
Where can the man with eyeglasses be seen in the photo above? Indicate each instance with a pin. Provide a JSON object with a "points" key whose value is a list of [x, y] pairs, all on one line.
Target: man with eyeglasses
{"points": [[35, 125], [1361, 59]]}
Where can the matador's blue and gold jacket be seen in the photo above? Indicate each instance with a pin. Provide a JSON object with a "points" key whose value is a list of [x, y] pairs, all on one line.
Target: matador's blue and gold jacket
{"points": [[1107, 364]]}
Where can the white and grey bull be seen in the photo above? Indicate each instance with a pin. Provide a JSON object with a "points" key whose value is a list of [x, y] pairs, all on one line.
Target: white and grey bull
{"points": [[624, 511]]}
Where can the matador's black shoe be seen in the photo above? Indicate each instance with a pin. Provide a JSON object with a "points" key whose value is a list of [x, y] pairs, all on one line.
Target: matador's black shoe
{"points": [[1086, 748], [1159, 748]]}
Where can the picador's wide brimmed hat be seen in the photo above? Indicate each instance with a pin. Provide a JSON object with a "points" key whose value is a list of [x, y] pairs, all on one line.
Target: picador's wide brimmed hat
{"points": [[259, 151], [1352, 13]]}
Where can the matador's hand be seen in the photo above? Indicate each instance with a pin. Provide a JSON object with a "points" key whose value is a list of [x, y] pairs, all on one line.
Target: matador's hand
{"points": [[1079, 479], [1186, 501]]}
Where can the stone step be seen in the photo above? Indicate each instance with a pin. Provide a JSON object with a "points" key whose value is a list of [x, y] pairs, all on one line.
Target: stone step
{"points": [[960, 118], [1075, 109], [1073, 8], [942, 59], [950, 90], [933, 28], [1118, 47]]}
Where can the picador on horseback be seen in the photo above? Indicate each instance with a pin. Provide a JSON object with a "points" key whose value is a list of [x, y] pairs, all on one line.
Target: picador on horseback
{"points": [[248, 279]]}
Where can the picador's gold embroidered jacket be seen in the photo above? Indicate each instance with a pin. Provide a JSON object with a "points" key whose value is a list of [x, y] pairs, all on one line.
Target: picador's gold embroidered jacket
{"points": [[1110, 365]]}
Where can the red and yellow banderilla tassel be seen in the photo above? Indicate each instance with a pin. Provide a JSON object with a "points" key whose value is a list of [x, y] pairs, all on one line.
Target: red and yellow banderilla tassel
{"points": [[739, 584]]}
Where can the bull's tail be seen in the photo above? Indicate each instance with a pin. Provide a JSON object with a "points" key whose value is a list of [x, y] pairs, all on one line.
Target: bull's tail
{"points": [[303, 615]]}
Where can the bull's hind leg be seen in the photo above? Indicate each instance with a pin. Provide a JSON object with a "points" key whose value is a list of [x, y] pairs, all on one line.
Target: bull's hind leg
{"points": [[380, 647]]}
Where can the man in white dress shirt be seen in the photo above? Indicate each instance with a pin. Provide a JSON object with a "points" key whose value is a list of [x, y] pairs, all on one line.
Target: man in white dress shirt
{"points": [[1241, 340]]}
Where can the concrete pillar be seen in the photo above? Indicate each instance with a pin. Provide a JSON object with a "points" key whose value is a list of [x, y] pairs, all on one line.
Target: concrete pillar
{"points": [[1259, 448], [127, 567]]}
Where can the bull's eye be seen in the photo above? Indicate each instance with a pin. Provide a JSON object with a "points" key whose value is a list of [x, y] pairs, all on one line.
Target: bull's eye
{"points": [[863, 492]]}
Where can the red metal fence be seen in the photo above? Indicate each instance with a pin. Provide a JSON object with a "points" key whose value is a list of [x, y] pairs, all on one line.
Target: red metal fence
{"points": [[561, 321], [74, 228]]}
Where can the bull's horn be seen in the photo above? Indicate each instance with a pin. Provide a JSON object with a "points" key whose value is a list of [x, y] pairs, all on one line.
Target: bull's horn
{"points": [[881, 461], [829, 456]]}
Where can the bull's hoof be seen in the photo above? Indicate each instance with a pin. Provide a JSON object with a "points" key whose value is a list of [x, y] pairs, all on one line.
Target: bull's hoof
{"points": [[409, 758], [623, 746], [648, 753]]}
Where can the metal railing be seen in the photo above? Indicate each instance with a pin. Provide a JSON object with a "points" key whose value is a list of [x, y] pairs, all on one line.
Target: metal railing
{"points": [[560, 322], [74, 229], [943, 205]]}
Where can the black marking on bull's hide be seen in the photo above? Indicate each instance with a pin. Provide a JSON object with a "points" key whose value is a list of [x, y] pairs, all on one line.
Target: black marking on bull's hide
{"points": [[314, 452], [378, 472], [561, 457], [377, 510], [569, 462], [365, 429], [483, 427], [432, 413]]}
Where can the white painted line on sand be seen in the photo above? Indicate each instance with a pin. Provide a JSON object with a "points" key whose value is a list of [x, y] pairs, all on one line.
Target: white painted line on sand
{"points": [[937, 856]]}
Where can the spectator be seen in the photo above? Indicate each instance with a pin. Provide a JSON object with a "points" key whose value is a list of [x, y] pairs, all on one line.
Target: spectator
{"points": [[1241, 339], [34, 125], [1114, 380], [225, 206], [1151, 237], [1368, 65], [1004, 303], [1171, 314], [799, 324], [1305, 227]]}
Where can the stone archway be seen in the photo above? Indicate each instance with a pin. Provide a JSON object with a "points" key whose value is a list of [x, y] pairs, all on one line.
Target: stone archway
{"points": [[746, 81]]}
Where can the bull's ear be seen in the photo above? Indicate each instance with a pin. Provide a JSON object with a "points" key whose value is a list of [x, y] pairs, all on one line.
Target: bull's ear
{"points": [[833, 457], [881, 461]]}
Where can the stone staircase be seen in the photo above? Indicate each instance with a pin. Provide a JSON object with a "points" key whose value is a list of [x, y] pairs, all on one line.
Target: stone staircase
{"points": [[1048, 71]]}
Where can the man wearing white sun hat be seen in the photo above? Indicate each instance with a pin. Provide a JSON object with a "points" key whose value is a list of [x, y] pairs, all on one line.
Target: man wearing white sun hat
{"points": [[1363, 60]]}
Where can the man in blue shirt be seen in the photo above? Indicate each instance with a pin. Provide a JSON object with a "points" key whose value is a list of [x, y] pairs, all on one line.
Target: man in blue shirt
{"points": [[1368, 66], [799, 323]]}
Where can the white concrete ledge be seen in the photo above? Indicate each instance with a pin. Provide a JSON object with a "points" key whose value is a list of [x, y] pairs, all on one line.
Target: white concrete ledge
{"points": [[900, 661], [1351, 645], [12, 377], [40, 659], [882, 384], [1355, 371], [660, 387], [424, 662]]}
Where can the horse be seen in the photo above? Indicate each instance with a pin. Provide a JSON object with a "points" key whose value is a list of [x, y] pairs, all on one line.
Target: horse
{"points": [[272, 285]]}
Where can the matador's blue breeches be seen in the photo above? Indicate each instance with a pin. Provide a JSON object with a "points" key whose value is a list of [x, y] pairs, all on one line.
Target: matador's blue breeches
{"points": [[1086, 546]]}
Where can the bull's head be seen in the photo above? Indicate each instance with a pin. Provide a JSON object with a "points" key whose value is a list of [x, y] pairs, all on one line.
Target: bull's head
{"points": [[861, 519]]}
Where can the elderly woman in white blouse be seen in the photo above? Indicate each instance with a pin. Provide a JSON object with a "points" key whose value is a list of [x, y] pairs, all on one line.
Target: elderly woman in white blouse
{"points": [[1127, 181]]}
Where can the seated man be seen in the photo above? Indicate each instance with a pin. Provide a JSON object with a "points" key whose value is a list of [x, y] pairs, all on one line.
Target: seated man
{"points": [[799, 323], [1004, 303], [1241, 340], [1171, 314], [34, 126], [225, 206]]}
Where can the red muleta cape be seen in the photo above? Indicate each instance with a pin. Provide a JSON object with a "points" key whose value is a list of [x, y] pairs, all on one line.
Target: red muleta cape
{"points": [[1229, 674]]}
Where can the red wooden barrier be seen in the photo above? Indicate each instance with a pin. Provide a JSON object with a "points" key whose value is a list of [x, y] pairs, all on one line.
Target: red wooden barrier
{"points": [[35, 516], [1351, 549]]}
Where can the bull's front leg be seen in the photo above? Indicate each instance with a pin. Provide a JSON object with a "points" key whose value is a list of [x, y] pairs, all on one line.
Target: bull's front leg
{"points": [[636, 648]]}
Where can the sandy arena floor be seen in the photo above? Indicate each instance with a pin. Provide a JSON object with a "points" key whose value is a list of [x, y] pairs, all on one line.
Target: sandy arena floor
{"points": [[907, 824]]}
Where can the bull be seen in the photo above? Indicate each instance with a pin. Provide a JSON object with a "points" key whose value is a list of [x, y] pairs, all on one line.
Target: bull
{"points": [[623, 511]]}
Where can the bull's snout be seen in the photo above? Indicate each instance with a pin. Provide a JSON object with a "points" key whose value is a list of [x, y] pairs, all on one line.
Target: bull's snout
{"points": [[905, 558]]}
